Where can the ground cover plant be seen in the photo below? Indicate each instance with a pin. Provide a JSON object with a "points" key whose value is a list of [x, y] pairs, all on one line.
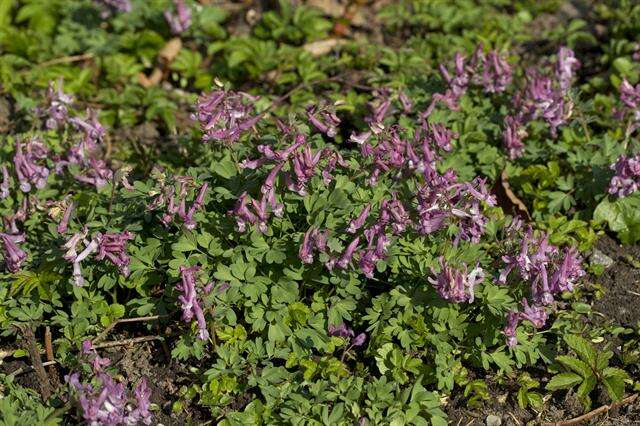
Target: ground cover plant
{"points": [[322, 212]]}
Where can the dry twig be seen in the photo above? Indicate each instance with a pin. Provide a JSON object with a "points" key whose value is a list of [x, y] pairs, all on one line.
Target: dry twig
{"points": [[601, 410]]}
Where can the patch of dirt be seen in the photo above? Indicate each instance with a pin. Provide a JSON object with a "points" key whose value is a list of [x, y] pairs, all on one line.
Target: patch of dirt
{"points": [[621, 283]]}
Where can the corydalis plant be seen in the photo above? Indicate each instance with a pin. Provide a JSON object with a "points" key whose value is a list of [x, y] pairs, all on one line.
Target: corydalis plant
{"points": [[176, 202], [181, 20], [105, 401], [626, 179], [225, 115], [455, 285], [189, 299]]}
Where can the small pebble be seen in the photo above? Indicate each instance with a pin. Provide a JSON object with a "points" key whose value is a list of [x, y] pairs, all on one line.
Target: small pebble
{"points": [[493, 420], [599, 258]]}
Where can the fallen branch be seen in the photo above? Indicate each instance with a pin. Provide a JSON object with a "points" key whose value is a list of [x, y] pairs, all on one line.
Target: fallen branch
{"points": [[601, 410], [110, 327], [30, 368], [48, 348], [36, 362], [125, 342], [67, 59]]}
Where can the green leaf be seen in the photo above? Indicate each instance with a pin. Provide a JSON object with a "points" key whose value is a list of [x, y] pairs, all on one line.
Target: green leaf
{"points": [[563, 381], [576, 365], [582, 347]]}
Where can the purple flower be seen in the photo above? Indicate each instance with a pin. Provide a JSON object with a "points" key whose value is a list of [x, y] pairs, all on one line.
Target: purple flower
{"points": [[313, 240], [189, 300], [566, 65], [64, 222], [27, 169], [358, 222], [326, 123], [458, 81], [72, 256], [534, 314], [359, 340], [224, 115], [348, 253], [407, 105], [13, 255], [4, 186], [113, 246], [340, 330], [441, 136], [454, 285], [513, 319], [496, 73], [118, 5], [93, 131], [180, 22], [568, 273], [626, 180], [187, 217], [512, 137], [108, 402], [57, 112]]}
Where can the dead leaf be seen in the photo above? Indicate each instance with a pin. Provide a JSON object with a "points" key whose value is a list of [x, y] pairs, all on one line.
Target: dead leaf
{"points": [[507, 199], [169, 51], [322, 47]]}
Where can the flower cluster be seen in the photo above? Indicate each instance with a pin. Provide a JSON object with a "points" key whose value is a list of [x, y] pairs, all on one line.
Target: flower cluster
{"points": [[117, 5], [544, 98], [27, 160], [224, 115], [57, 111], [455, 285], [324, 120], [490, 71], [547, 270], [189, 299], [630, 97], [107, 402], [13, 255], [181, 21], [176, 203], [303, 165], [626, 180], [541, 264], [111, 246], [345, 332], [86, 154], [536, 315]]}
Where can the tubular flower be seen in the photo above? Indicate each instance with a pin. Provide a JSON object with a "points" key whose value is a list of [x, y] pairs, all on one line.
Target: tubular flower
{"points": [[224, 115], [566, 65], [4, 186], [313, 240], [513, 319], [64, 222], [113, 246], [108, 403], [58, 101], [534, 314], [454, 285], [27, 169], [117, 5], [182, 20], [626, 180], [189, 300], [359, 221], [327, 122], [13, 255], [512, 136]]}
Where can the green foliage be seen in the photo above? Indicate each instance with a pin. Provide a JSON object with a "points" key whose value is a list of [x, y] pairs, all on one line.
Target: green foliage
{"points": [[589, 370]]}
